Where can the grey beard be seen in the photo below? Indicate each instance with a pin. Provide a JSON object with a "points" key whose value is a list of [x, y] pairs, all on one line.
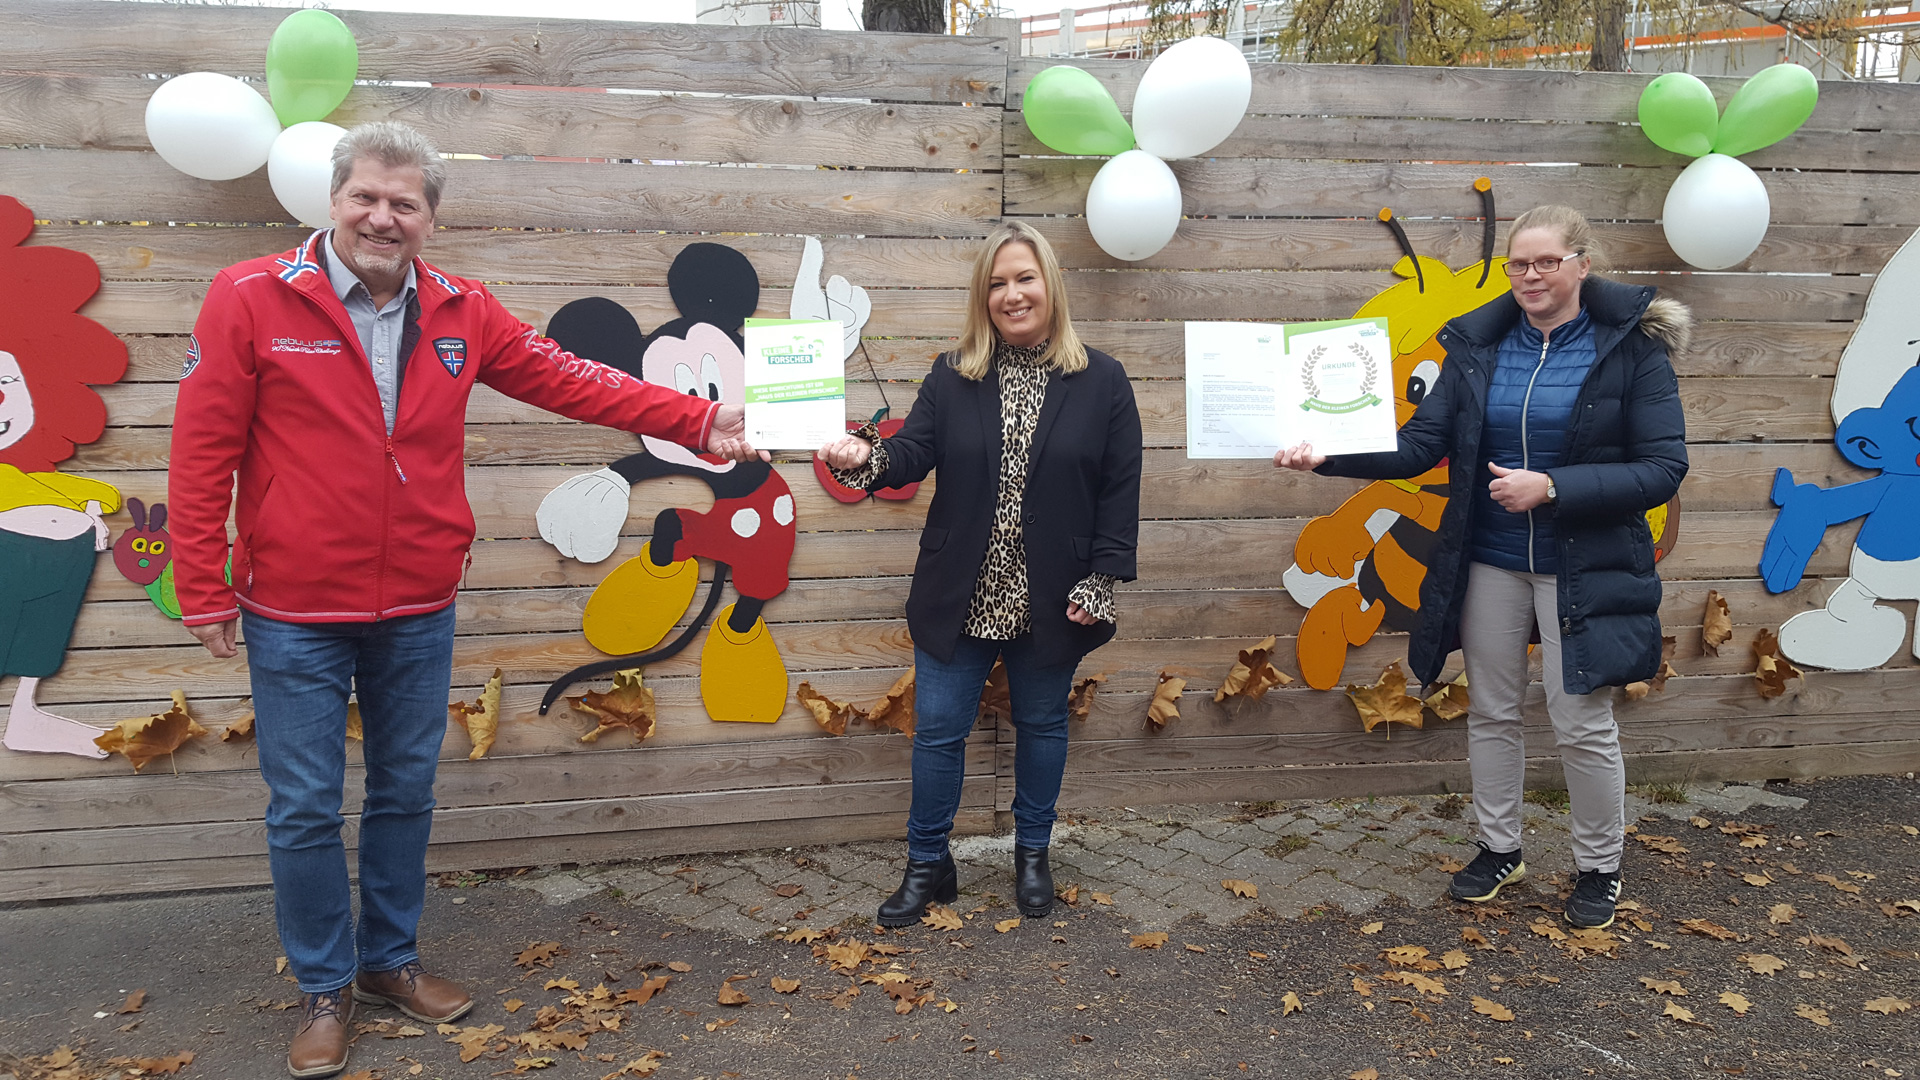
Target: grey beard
{"points": [[373, 264]]}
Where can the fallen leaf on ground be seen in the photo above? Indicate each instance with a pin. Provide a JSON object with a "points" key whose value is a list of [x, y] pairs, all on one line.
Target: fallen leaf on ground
{"points": [[1151, 940], [805, 935], [1887, 1006], [512, 1005], [1781, 914], [1103, 899], [1290, 1004], [1069, 895], [730, 995], [1005, 925], [1364, 1074], [1488, 1007], [1716, 622], [788, 891], [165, 1066], [1758, 881], [1241, 888], [1663, 986], [1707, 928], [1809, 1012], [1771, 669], [1373, 927], [895, 707], [1678, 1012], [1454, 959], [1191, 947], [482, 718], [473, 1041], [1737, 1002], [1666, 845], [1252, 674], [1451, 701], [1844, 886], [1424, 983], [941, 917], [134, 1003], [533, 1063], [1404, 955], [1080, 702], [1474, 937], [626, 704], [680, 966], [644, 992], [1165, 706], [540, 954], [831, 715], [1763, 963], [646, 1065], [562, 984], [144, 738], [238, 730], [1386, 702], [783, 986]]}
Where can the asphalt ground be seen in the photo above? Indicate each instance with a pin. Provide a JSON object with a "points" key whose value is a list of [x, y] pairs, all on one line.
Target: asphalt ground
{"points": [[1320, 992]]}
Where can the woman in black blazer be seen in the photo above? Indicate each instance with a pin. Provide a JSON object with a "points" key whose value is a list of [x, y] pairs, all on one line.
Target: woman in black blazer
{"points": [[1036, 517]]}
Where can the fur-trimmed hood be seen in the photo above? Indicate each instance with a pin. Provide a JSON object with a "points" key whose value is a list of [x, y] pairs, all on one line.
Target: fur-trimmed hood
{"points": [[1669, 322]]}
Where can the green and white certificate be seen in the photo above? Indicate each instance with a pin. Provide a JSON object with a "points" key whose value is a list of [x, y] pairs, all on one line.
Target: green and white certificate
{"points": [[1253, 388], [796, 383]]}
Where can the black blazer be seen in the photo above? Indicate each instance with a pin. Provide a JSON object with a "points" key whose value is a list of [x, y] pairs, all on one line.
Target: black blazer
{"points": [[1082, 512]]}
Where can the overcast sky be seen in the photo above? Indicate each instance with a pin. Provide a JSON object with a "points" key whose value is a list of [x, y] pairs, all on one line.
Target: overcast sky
{"points": [[834, 14]]}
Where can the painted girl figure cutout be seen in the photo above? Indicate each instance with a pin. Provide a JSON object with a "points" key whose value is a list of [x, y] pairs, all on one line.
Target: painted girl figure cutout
{"points": [[51, 524]]}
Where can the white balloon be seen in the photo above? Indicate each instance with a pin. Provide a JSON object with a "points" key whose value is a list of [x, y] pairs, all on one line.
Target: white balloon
{"points": [[211, 126], [1716, 213], [300, 168], [1133, 206], [1191, 98]]}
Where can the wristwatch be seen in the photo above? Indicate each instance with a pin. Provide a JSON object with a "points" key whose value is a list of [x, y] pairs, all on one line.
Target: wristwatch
{"points": [[1553, 493]]}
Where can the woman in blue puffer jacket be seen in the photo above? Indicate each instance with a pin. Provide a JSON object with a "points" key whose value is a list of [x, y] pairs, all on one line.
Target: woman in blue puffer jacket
{"points": [[1559, 410]]}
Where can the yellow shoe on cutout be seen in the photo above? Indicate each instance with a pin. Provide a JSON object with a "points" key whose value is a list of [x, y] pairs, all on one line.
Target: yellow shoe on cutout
{"points": [[638, 603], [741, 675]]}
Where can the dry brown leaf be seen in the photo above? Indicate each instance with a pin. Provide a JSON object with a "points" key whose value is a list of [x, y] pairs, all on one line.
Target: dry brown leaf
{"points": [[1426, 984], [166, 1066], [1165, 706], [1005, 925], [1451, 701], [1404, 955], [1809, 1012], [680, 966], [1678, 1012], [1454, 959], [1887, 1006], [144, 738], [1080, 702], [1290, 1004], [851, 954], [512, 1005], [1241, 888], [481, 719], [134, 1003], [788, 891], [1191, 947], [1716, 622], [1707, 928], [1474, 937], [1386, 702], [1364, 1074], [1663, 986], [996, 699], [1103, 899], [783, 986], [1069, 895], [238, 730], [895, 707], [472, 1041], [645, 1065], [1763, 963], [1547, 930], [831, 715], [1737, 1002], [1373, 928], [1489, 1007], [1771, 669], [1758, 881], [1636, 690], [730, 995], [568, 983], [626, 704], [644, 992], [805, 935], [942, 917], [539, 953], [1843, 886], [1252, 674], [1151, 940], [1666, 845], [1781, 914]]}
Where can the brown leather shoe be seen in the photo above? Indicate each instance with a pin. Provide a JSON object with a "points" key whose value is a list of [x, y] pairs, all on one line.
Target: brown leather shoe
{"points": [[326, 1029], [427, 998]]}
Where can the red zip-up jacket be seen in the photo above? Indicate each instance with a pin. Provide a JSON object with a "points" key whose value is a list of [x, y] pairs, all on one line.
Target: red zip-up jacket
{"points": [[337, 521]]}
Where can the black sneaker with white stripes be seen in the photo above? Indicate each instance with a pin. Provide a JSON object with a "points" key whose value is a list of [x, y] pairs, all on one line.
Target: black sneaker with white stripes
{"points": [[1594, 894], [1486, 874]]}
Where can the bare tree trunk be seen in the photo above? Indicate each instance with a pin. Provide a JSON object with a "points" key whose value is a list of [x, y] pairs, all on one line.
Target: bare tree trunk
{"points": [[1396, 32], [904, 16], [1609, 35]]}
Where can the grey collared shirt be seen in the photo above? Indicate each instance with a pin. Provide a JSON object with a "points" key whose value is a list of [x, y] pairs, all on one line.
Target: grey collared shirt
{"points": [[380, 331]]}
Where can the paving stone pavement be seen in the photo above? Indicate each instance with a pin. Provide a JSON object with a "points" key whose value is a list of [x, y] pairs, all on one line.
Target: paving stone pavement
{"points": [[1154, 865]]}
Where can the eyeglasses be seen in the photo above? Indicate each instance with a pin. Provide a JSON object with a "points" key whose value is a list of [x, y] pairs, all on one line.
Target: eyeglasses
{"points": [[1545, 266]]}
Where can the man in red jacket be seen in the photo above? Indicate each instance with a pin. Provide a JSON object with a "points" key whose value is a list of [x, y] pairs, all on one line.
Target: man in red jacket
{"points": [[333, 380]]}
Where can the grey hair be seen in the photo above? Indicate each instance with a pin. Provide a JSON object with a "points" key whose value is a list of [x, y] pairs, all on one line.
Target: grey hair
{"points": [[394, 145]]}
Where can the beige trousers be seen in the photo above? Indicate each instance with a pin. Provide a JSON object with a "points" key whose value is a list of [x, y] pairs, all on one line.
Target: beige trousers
{"points": [[1502, 609]]}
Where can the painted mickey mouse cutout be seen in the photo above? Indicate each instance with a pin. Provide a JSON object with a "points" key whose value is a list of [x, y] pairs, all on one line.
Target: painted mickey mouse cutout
{"points": [[748, 533]]}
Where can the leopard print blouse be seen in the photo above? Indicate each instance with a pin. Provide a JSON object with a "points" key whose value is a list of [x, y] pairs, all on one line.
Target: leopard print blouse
{"points": [[1001, 608]]}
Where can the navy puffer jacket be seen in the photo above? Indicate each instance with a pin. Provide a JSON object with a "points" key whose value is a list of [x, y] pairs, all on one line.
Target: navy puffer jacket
{"points": [[1625, 454], [1529, 411]]}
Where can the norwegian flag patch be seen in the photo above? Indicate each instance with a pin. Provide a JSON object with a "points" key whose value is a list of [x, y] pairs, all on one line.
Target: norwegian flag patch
{"points": [[193, 356], [452, 352]]}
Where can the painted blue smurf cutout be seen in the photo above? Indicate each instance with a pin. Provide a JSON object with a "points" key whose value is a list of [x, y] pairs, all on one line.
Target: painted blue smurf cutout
{"points": [[1876, 409]]}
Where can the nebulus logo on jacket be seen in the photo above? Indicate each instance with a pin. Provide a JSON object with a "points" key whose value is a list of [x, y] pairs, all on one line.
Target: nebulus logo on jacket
{"points": [[453, 354], [321, 346]]}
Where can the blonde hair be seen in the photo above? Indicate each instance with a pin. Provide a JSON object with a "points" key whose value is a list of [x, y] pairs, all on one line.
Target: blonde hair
{"points": [[974, 357], [1570, 225]]}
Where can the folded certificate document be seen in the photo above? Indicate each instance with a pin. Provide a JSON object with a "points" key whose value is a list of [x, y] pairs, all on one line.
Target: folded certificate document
{"points": [[796, 383], [1253, 388]]}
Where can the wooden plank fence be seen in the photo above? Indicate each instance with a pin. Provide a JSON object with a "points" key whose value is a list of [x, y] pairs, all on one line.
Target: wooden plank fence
{"points": [[900, 151]]}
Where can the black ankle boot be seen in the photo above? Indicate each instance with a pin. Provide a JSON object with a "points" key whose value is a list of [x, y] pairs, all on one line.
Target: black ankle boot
{"points": [[925, 882], [1032, 882]]}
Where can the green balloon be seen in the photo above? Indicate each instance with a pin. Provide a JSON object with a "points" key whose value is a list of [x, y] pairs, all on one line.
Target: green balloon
{"points": [[1678, 113], [311, 63], [1070, 111], [1767, 108]]}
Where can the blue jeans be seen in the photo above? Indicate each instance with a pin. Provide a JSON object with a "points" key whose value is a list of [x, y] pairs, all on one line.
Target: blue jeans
{"points": [[399, 670], [946, 703]]}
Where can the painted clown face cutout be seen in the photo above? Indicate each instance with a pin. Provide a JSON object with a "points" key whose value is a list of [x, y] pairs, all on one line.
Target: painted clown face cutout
{"points": [[16, 403], [705, 364]]}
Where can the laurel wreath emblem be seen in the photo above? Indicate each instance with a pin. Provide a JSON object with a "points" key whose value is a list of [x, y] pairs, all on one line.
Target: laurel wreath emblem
{"points": [[1319, 352]]}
